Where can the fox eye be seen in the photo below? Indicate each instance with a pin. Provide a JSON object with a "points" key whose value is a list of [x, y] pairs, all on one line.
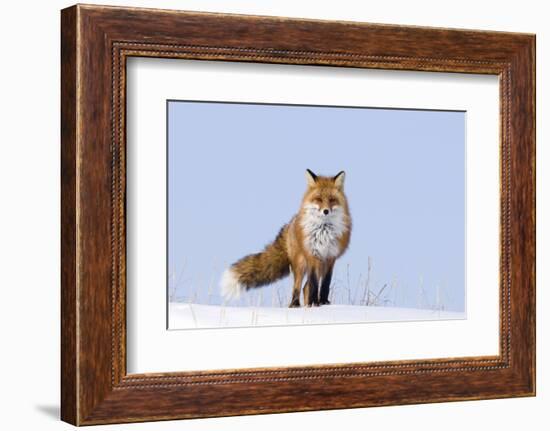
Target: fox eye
{"points": [[317, 200], [333, 201]]}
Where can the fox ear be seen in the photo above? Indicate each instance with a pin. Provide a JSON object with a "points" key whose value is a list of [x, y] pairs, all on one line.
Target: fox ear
{"points": [[339, 179], [310, 177]]}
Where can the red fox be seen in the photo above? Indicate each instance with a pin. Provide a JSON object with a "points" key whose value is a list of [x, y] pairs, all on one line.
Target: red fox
{"points": [[308, 246]]}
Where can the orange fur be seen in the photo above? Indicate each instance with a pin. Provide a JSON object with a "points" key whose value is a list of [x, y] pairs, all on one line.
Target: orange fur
{"points": [[308, 246]]}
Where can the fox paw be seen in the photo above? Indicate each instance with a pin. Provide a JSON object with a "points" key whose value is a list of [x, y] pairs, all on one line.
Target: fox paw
{"points": [[325, 302], [295, 303], [312, 304]]}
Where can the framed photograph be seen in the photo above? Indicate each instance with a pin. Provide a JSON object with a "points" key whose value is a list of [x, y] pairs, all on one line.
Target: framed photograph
{"points": [[258, 208]]}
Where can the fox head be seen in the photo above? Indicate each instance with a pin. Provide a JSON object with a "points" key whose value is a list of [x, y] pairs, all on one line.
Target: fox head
{"points": [[325, 195]]}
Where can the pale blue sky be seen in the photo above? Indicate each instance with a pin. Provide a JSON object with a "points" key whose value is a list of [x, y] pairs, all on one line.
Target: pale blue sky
{"points": [[236, 175]]}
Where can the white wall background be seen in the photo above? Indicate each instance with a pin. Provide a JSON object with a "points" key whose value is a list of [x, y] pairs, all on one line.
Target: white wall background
{"points": [[29, 219]]}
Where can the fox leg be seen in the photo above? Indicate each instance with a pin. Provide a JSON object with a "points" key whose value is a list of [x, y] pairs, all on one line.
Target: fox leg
{"points": [[325, 285], [298, 274], [311, 290]]}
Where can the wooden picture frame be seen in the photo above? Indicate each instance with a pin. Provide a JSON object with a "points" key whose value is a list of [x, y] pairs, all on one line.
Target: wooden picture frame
{"points": [[95, 43]]}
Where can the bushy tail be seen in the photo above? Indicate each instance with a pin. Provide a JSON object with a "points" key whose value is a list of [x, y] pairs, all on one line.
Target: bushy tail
{"points": [[256, 270]]}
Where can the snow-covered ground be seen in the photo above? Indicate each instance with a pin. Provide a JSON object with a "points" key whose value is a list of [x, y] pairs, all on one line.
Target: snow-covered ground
{"points": [[190, 316]]}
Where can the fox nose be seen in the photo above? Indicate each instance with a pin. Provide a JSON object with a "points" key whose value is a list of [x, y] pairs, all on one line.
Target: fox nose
{"points": [[325, 211]]}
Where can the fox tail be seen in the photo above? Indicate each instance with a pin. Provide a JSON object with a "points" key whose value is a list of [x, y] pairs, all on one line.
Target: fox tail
{"points": [[256, 270]]}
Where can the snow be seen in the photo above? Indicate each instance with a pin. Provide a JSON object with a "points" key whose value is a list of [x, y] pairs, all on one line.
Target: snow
{"points": [[190, 316]]}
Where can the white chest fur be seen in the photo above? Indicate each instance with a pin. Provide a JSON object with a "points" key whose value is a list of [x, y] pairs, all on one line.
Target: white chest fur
{"points": [[323, 232]]}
